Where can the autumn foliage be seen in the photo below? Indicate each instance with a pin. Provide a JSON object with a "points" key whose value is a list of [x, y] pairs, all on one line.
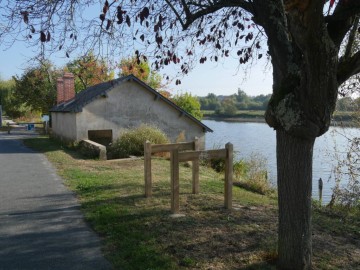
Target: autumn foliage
{"points": [[88, 71]]}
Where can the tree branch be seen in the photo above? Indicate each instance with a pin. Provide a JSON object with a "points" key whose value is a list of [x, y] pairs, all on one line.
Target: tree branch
{"points": [[340, 22], [205, 9], [348, 67], [177, 14], [352, 36]]}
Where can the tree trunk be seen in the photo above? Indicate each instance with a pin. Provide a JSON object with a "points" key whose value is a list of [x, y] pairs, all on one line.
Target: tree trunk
{"points": [[305, 61], [294, 168]]}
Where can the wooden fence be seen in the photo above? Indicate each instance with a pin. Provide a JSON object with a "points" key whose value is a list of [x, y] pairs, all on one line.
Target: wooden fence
{"points": [[150, 149], [193, 154]]}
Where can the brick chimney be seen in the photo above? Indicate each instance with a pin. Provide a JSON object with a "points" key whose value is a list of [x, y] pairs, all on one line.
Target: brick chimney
{"points": [[60, 90], [69, 86]]}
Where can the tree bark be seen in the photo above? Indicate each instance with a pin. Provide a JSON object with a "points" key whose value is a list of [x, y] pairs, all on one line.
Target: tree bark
{"points": [[294, 168]]}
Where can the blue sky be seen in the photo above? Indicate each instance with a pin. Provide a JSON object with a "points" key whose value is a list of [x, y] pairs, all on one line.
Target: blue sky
{"points": [[220, 79], [225, 79]]}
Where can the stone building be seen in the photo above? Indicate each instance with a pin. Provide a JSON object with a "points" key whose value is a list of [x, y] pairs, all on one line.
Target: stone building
{"points": [[102, 111]]}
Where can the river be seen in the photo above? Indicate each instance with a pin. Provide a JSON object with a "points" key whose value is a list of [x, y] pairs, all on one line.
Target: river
{"points": [[258, 138]]}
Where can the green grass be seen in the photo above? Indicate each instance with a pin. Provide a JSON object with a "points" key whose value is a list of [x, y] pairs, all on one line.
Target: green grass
{"points": [[339, 220], [139, 232]]}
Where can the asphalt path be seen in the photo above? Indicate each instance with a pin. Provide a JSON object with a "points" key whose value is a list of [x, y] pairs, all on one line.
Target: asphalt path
{"points": [[41, 225]]}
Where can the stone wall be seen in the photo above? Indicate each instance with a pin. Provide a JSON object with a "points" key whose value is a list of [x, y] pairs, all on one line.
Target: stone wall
{"points": [[92, 149]]}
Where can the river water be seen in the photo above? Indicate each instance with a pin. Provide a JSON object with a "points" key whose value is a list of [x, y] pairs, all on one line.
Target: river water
{"points": [[259, 138]]}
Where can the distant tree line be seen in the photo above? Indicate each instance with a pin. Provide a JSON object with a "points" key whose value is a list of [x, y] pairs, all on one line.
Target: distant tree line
{"points": [[229, 105]]}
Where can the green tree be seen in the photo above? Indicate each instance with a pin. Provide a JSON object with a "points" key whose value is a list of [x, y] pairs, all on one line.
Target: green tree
{"points": [[36, 88], [10, 105], [263, 100], [242, 99], [188, 103], [140, 68], [88, 71], [305, 41], [210, 102], [6, 89], [227, 107]]}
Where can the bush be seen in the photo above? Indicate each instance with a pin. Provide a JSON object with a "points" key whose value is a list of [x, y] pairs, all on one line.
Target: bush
{"points": [[241, 168], [347, 171], [131, 142], [251, 174], [217, 164]]}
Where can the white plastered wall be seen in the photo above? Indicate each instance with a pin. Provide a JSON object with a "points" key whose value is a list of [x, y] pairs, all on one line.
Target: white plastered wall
{"points": [[129, 105]]}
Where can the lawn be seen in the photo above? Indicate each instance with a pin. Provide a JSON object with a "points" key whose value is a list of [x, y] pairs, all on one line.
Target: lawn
{"points": [[139, 233]]}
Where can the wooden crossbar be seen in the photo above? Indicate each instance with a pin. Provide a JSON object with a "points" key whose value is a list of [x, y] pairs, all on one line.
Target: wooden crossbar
{"points": [[171, 147], [156, 148], [209, 154], [194, 156]]}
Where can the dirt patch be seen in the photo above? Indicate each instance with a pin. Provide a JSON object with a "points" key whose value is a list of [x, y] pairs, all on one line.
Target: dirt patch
{"points": [[215, 238]]}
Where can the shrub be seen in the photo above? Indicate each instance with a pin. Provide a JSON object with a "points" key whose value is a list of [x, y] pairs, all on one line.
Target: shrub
{"points": [[347, 170], [251, 174], [131, 142], [241, 168], [218, 164]]}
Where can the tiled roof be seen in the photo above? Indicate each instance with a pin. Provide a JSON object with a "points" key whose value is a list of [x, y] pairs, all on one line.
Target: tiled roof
{"points": [[91, 93]]}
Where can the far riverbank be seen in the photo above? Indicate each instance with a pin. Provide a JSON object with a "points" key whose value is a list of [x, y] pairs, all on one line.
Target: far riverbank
{"points": [[235, 119], [345, 119]]}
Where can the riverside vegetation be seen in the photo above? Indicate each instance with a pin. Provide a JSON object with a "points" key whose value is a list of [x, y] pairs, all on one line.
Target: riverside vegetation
{"points": [[340, 117], [138, 232], [242, 107]]}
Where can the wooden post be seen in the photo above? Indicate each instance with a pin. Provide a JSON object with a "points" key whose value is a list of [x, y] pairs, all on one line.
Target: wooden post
{"points": [[228, 175], [147, 168], [320, 190], [195, 169], [175, 181], [45, 126]]}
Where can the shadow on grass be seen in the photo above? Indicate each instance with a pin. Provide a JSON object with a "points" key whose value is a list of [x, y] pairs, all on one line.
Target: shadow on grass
{"points": [[139, 229], [260, 266], [45, 145]]}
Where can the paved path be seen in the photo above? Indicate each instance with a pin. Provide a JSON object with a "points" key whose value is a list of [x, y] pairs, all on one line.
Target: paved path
{"points": [[41, 226]]}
